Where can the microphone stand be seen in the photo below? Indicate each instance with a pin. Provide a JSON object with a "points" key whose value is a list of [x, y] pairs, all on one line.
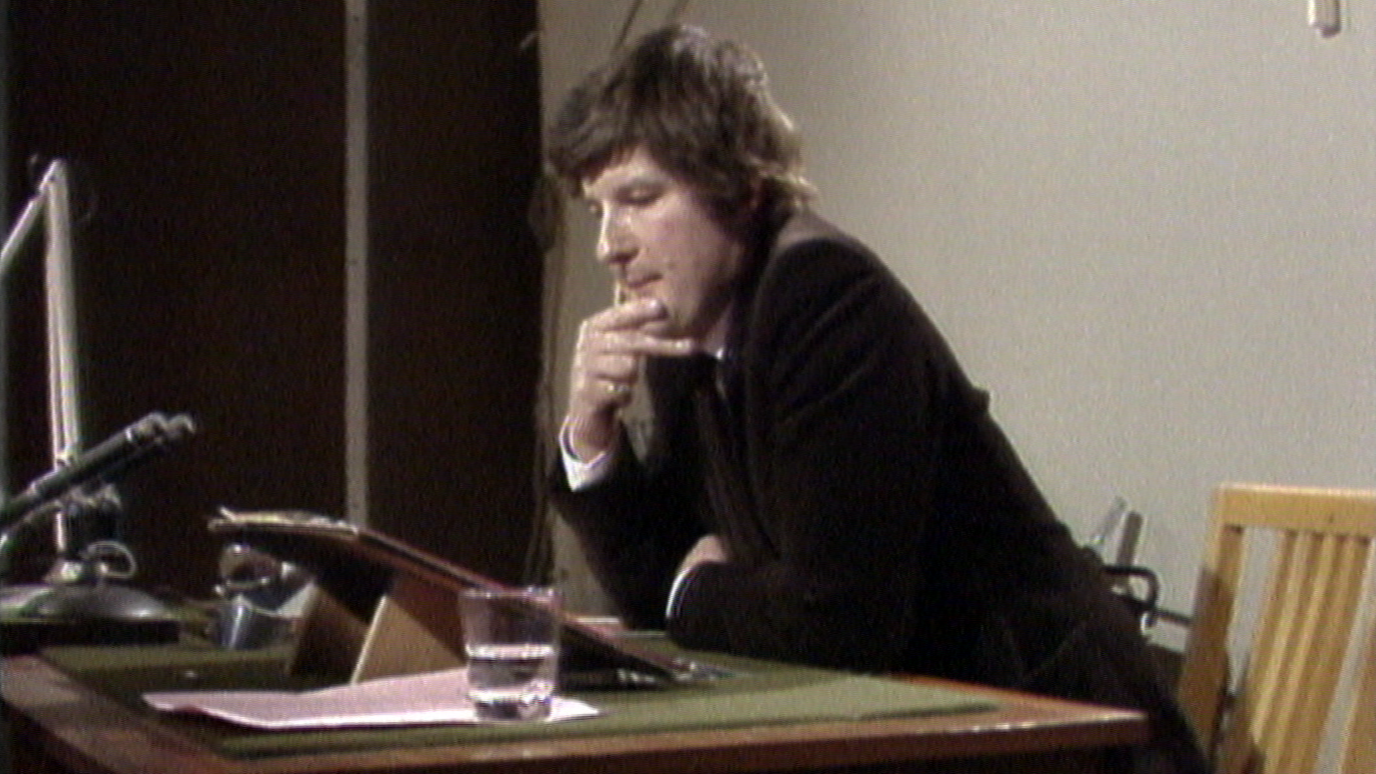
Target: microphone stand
{"points": [[80, 495], [69, 594], [78, 588]]}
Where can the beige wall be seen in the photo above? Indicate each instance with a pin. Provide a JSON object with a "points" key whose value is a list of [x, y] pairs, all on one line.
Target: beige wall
{"points": [[1148, 228]]}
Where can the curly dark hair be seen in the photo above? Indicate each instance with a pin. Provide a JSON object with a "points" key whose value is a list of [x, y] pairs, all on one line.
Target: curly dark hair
{"points": [[699, 106]]}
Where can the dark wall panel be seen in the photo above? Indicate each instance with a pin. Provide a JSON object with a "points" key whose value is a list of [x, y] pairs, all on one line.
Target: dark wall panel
{"points": [[455, 277], [209, 143]]}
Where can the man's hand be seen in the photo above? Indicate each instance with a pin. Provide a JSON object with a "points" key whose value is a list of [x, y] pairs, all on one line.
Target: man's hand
{"points": [[606, 367]]}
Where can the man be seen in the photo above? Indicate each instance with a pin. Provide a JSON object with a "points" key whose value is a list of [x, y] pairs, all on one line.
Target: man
{"points": [[821, 483]]}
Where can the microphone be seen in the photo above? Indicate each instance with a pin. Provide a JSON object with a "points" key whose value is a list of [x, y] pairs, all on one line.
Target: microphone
{"points": [[111, 458]]}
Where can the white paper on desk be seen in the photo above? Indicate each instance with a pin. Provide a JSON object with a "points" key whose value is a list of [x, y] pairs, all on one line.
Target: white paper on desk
{"points": [[423, 699]]}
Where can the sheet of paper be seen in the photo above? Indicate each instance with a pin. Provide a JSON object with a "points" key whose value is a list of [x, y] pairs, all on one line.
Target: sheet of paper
{"points": [[423, 699]]}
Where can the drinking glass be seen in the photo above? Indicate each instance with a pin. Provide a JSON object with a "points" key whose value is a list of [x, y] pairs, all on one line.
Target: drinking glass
{"points": [[511, 640]]}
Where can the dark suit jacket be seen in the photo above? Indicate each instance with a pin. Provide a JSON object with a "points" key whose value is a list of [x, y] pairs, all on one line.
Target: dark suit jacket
{"points": [[876, 517]]}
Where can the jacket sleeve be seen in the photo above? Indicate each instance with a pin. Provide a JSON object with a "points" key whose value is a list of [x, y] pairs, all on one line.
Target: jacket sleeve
{"points": [[843, 390], [634, 528]]}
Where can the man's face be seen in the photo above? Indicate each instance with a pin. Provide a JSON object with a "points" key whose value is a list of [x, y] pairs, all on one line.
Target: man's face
{"points": [[660, 241]]}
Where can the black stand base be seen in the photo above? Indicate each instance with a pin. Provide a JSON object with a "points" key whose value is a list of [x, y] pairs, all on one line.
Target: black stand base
{"points": [[79, 614]]}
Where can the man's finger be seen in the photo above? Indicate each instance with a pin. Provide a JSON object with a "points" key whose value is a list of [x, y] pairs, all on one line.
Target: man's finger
{"points": [[629, 315], [636, 342]]}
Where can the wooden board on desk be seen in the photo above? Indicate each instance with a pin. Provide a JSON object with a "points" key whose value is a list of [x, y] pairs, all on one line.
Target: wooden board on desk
{"points": [[385, 607]]}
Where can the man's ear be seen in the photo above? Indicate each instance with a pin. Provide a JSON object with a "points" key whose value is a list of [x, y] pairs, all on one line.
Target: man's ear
{"points": [[745, 216], [756, 200]]}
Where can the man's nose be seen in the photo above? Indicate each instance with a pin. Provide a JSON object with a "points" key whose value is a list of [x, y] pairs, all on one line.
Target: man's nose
{"points": [[614, 241]]}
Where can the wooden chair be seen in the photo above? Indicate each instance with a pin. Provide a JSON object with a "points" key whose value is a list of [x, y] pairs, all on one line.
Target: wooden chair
{"points": [[1274, 721]]}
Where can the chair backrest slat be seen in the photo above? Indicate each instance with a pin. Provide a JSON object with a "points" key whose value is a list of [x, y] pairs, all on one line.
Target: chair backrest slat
{"points": [[1277, 720], [1360, 757]]}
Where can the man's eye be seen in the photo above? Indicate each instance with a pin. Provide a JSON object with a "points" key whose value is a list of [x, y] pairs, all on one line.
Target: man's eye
{"points": [[641, 196]]}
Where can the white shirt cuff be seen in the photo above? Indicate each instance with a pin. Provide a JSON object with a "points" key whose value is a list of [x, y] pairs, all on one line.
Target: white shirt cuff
{"points": [[675, 591], [583, 474]]}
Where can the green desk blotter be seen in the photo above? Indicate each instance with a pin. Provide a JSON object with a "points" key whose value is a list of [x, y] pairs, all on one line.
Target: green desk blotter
{"points": [[758, 693]]}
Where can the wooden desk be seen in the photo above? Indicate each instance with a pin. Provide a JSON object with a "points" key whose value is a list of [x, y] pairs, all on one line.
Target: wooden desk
{"points": [[59, 725]]}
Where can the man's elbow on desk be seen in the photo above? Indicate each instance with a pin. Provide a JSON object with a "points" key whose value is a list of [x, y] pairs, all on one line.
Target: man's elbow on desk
{"points": [[721, 607]]}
